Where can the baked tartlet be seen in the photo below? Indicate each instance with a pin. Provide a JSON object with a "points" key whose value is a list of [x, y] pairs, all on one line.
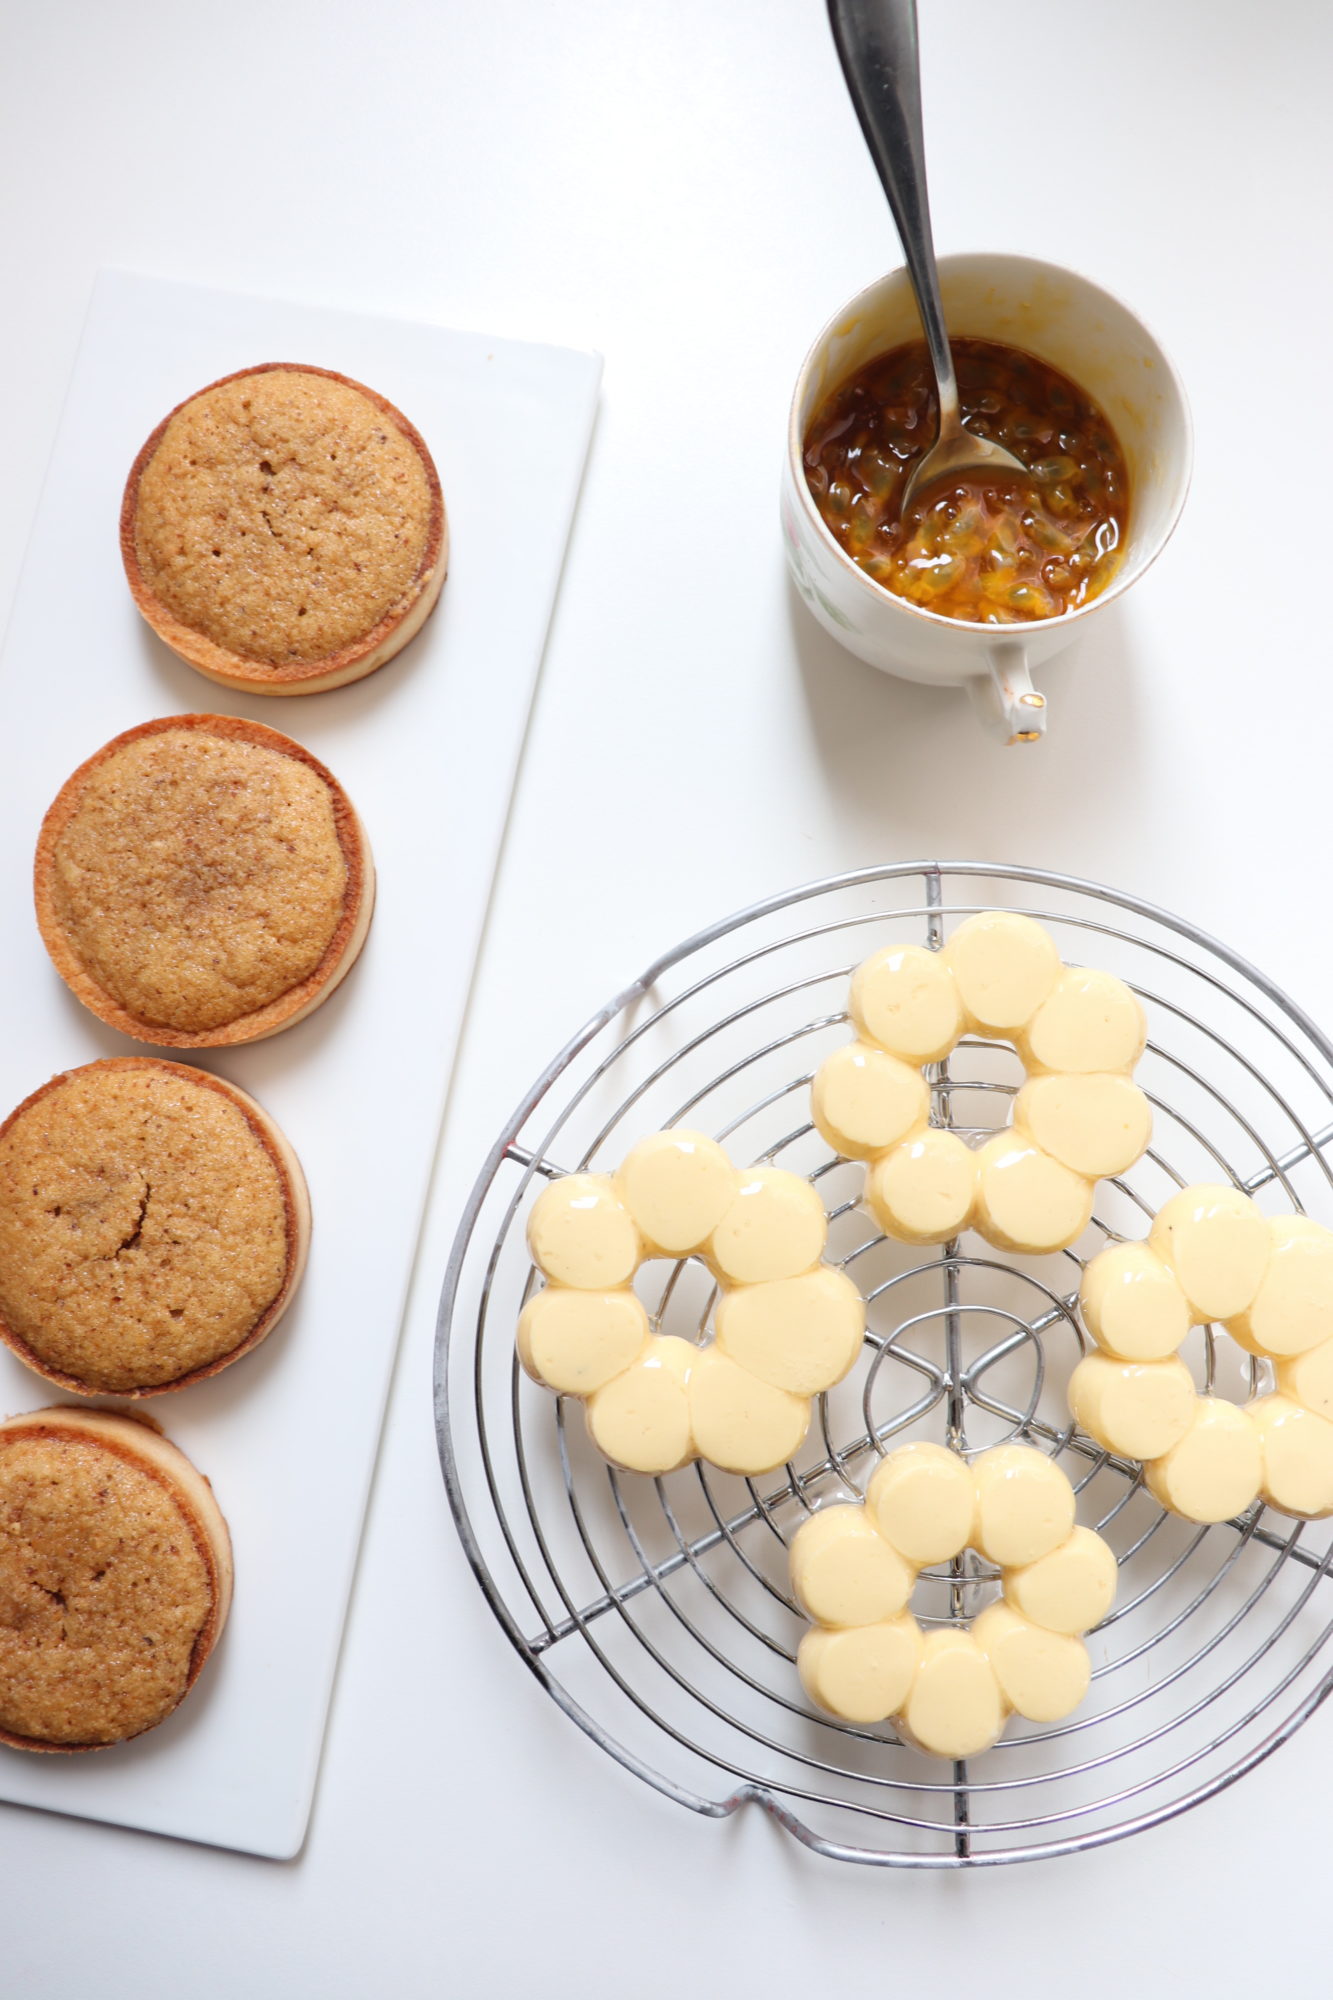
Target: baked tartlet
{"points": [[202, 881], [115, 1578], [284, 530], [154, 1225]]}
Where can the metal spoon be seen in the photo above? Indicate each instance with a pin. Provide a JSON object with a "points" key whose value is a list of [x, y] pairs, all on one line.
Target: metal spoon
{"points": [[877, 47]]}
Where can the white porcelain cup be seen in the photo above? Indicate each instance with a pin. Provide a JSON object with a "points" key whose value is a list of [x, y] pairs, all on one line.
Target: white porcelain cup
{"points": [[1076, 327]]}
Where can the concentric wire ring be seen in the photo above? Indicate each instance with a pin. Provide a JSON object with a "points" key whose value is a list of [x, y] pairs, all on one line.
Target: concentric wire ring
{"points": [[657, 1612]]}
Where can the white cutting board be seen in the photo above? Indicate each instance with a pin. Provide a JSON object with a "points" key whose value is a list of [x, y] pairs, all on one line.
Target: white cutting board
{"points": [[427, 748]]}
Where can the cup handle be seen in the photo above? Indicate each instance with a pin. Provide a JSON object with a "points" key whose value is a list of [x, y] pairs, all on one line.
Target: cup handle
{"points": [[1004, 698]]}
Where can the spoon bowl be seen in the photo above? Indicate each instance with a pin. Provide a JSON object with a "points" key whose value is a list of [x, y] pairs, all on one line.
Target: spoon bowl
{"points": [[958, 452]]}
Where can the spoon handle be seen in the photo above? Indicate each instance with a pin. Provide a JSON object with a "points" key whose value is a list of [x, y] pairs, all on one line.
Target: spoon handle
{"points": [[876, 42]]}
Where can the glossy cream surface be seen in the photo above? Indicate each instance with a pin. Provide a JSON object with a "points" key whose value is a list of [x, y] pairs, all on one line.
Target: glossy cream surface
{"points": [[1292, 1310], [581, 1234], [1218, 1244], [922, 1498], [773, 1227], [786, 1326], [905, 999], [677, 1186], [1096, 1124], [844, 1573], [1212, 1254], [1136, 1408], [853, 1568], [799, 1334], [924, 1191], [738, 1422], [864, 1099], [1133, 1304], [1005, 966], [1214, 1473], [1042, 1675], [640, 1419], [861, 1673], [1078, 1118], [573, 1341], [955, 1707], [1070, 1589], [1027, 1201], [1297, 1449], [1024, 1505], [1090, 1022]]}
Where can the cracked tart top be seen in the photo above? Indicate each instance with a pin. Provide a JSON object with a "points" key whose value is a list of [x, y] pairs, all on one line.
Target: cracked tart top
{"points": [[154, 1224]]}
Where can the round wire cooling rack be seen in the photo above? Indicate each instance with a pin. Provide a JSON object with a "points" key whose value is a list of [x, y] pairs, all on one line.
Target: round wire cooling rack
{"points": [[656, 1612]]}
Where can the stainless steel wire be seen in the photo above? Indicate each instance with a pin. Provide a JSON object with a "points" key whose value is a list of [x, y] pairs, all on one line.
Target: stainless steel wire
{"points": [[657, 1612]]}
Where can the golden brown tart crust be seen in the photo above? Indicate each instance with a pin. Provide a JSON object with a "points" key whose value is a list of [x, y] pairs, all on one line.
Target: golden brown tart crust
{"points": [[160, 867], [153, 1227], [285, 534], [115, 1579]]}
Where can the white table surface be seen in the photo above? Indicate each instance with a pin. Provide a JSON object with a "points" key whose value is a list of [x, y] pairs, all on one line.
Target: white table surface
{"points": [[683, 188]]}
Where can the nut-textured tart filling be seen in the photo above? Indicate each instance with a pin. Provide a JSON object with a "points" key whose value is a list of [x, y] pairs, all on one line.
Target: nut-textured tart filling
{"points": [[282, 515], [146, 1226], [199, 875], [105, 1592]]}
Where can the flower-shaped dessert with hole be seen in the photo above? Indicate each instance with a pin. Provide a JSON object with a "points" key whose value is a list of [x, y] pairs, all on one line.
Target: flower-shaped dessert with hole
{"points": [[1213, 1258], [786, 1326], [951, 1689], [1078, 1117]]}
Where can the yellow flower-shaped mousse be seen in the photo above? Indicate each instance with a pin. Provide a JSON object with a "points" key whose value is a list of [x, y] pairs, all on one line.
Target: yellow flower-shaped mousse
{"points": [[786, 1327], [1078, 1117], [951, 1689], [1213, 1257]]}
